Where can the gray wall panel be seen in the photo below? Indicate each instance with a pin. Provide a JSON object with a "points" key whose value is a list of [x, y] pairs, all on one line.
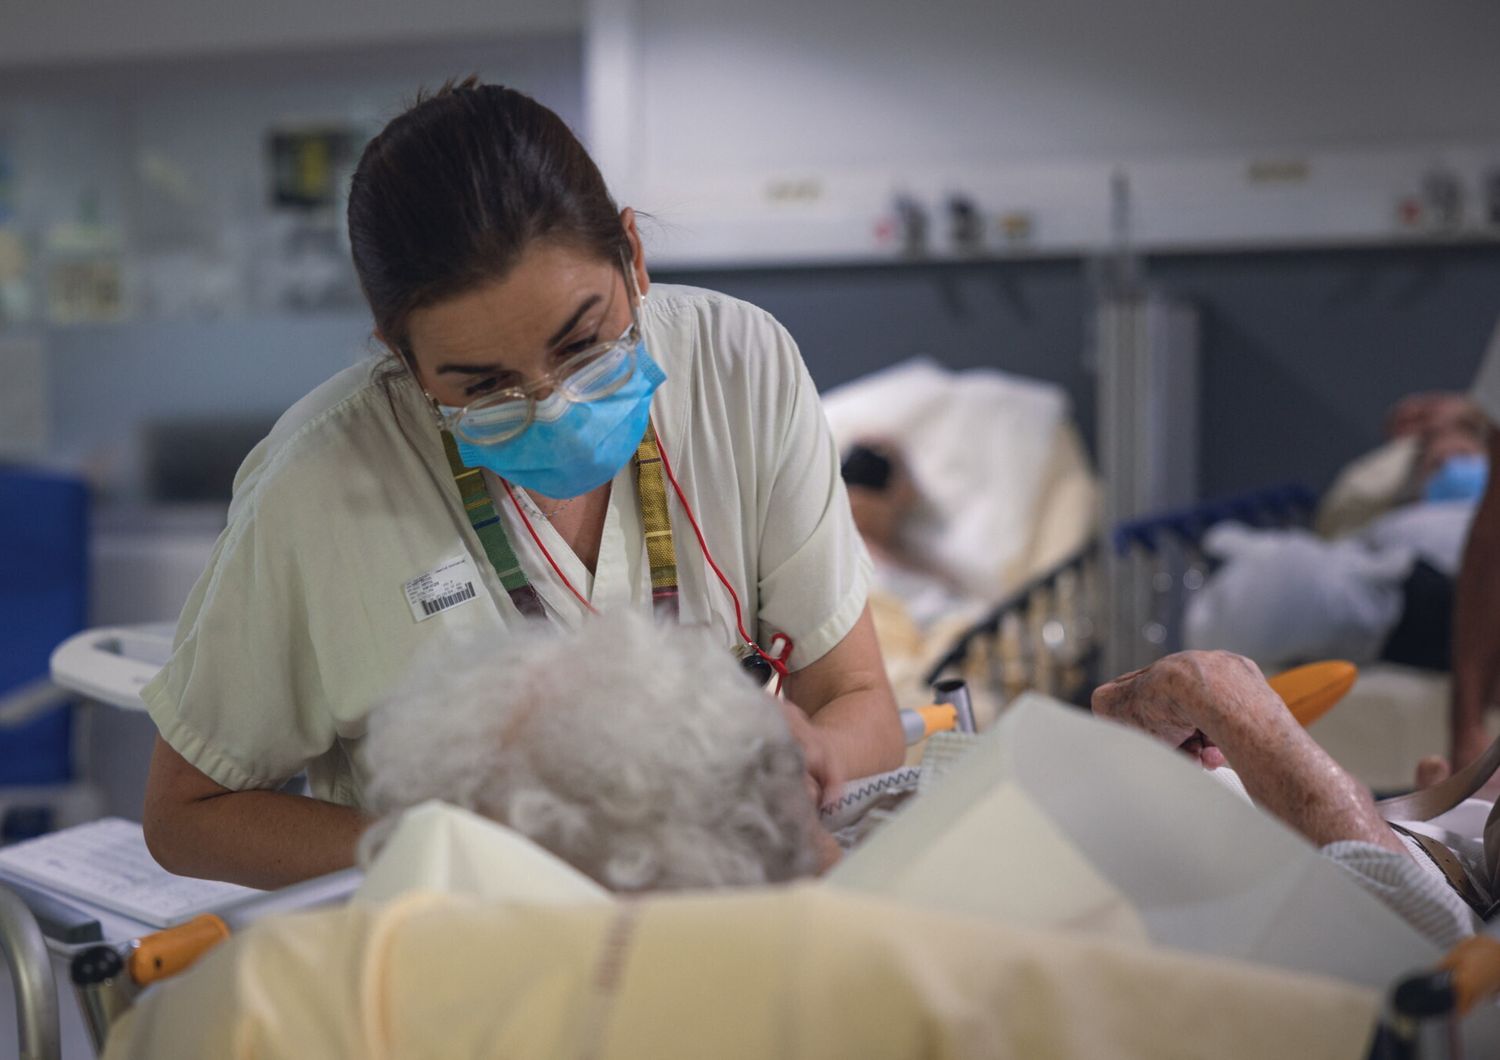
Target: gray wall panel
{"points": [[1027, 318], [1303, 352]]}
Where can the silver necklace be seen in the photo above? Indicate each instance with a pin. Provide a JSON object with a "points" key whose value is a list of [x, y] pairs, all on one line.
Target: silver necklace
{"points": [[539, 510]]}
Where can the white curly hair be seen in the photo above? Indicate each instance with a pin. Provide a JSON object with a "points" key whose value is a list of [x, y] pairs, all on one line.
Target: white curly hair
{"points": [[640, 754]]}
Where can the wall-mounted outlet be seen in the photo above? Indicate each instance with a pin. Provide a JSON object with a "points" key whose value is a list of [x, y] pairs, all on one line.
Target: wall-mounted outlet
{"points": [[799, 189], [1270, 171], [1016, 227]]}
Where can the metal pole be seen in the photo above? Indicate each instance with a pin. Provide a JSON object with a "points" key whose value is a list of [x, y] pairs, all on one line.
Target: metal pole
{"points": [[955, 693], [31, 969]]}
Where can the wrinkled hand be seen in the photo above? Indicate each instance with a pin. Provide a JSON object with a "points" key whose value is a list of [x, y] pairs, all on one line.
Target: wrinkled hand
{"points": [[1182, 698]]}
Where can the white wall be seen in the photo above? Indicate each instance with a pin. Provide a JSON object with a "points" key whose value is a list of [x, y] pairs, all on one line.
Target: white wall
{"points": [[38, 32], [858, 82], [728, 98]]}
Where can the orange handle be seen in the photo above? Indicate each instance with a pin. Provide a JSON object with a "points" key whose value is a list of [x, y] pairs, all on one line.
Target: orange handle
{"points": [[1475, 964], [163, 954], [940, 717], [1311, 691]]}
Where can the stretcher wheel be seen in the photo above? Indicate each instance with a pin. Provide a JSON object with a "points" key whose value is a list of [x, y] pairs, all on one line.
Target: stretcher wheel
{"points": [[1311, 691], [1425, 996], [95, 965]]}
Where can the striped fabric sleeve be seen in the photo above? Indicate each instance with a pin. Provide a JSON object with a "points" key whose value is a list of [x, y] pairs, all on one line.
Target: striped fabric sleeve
{"points": [[1412, 887]]}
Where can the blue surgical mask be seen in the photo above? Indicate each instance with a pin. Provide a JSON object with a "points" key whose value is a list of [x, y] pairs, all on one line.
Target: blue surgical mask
{"points": [[1459, 478], [570, 447]]}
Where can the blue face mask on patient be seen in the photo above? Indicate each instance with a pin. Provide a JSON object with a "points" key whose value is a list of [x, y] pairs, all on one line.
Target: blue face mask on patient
{"points": [[571, 447], [1459, 478]]}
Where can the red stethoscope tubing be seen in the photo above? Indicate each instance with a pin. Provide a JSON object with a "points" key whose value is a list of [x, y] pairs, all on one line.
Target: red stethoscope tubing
{"points": [[552, 562], [777, 662]]}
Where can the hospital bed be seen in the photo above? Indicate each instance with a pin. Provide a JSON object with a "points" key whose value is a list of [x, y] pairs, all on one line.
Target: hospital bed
{"points": [[104, 987], [1043, 636], [94, 959], [1394, 716], [105, 978], [1007, 518], [1010, 513], [57, 988]]}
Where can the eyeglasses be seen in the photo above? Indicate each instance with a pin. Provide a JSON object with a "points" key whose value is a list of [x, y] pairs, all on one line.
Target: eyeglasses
{"points": [[589, 375]]}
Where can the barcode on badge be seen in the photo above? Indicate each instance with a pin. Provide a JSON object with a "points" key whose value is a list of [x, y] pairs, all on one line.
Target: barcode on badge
{"points": [[446, 586], [442, 603]]}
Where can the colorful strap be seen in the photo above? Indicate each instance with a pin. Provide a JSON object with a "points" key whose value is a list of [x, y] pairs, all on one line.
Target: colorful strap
{"points": [[661, 552], [486, 523]]}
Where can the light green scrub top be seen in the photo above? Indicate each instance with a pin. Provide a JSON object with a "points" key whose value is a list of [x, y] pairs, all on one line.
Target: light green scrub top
{"points": [[312, 607]]}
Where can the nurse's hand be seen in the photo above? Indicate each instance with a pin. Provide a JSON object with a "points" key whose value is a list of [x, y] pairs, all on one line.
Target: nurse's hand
{"points": [[823, 779]]}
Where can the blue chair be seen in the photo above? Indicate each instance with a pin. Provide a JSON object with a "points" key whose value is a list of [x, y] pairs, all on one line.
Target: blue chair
{"points": [[43, 600]]}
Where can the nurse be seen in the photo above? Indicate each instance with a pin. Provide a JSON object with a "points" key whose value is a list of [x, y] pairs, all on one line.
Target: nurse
{"points": [[550, 436]]}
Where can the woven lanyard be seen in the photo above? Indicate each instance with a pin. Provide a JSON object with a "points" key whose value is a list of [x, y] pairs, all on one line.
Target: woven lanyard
{"points": [[650, 491], [661, 553]]}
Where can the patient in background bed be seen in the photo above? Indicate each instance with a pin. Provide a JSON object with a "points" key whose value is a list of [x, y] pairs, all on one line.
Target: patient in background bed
{"points": [[655, 764], [1375, 583], [883, 499]]}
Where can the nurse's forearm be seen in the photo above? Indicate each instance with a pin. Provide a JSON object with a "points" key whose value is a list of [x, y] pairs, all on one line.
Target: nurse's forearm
{"points": [[265, 839], [197, 827], [864, 731], [849, 699]]}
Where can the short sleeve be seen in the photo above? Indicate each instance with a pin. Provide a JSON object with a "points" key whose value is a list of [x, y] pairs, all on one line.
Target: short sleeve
{"points": [[239, 698], [814, 571], [1486, 390]]}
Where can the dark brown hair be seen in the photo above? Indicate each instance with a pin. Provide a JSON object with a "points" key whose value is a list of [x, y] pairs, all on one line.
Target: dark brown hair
{"points": [[452, 191]]}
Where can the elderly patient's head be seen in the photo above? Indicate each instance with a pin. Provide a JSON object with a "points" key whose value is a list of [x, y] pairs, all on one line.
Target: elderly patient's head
{"points": [[641, 755]]}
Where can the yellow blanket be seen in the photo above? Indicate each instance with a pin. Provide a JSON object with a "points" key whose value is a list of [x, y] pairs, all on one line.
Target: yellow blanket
{"points": [[792, 972]]}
